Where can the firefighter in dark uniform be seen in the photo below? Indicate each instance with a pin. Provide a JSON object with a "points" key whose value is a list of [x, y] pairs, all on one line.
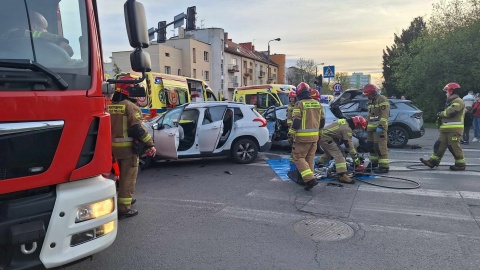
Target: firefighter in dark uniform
{"points": [[334, 134], [377, 128], [292, 99], [127, 129], [450, 124], [308, 119]]}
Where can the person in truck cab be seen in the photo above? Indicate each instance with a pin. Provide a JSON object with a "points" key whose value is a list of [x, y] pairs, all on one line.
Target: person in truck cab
{"points": [[39, 29], [127, 131]]}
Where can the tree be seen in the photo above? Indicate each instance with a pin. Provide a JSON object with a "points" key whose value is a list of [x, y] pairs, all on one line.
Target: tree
{"points": [[400, 47], [116, 70], [448, 51], [306, 68], [343, 78]]}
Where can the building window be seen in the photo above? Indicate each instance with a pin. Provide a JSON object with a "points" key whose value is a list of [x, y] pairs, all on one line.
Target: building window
{"points": [[194, 55], [168, 70], [167, 54], [179, 73], [207, 75], [205, 56], [194, 75]]}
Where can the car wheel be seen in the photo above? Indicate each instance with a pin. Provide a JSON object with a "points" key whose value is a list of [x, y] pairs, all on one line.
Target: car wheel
{"points": [[144, 162], [245, 151], [397, 137]]}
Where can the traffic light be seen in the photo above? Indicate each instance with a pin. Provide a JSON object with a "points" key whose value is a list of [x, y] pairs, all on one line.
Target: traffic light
{"points": [[319, 80], [191, 13], [162, 32]]}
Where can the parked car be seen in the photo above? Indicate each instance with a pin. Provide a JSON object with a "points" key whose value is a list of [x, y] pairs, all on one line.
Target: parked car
{"points": [[405, 121], [277, 123], [209, 129]]}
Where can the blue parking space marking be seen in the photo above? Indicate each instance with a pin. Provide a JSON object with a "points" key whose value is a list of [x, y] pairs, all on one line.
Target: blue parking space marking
{"points": [[282, 166]]}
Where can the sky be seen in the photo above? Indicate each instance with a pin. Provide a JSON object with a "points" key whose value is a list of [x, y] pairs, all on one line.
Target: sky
{"points": [[348, 34]]}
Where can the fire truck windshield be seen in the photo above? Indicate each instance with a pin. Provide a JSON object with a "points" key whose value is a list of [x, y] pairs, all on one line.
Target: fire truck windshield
{"points": [[51, 33]]}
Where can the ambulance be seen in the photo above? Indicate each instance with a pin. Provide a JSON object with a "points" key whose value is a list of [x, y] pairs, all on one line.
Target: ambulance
{"points": [[164, 91], [263, 96]]}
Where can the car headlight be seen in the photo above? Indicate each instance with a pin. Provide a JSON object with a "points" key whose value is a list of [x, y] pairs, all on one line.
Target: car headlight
{"points": [[95, 210]]}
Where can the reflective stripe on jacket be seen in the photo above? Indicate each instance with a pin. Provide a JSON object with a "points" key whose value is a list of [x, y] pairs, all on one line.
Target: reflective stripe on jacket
{"points": [[453, 115], [310, 112], [339, 131], [124, 115], [378, 112]]}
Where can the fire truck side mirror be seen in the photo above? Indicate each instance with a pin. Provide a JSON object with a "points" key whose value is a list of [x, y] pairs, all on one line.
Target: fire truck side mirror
{"points": [[136, 24], [140, 61]]}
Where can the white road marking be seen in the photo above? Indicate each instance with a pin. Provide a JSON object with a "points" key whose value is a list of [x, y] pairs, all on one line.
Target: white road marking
{"points": [[413, 211], [260, 215], [418, 192], [424, 233]]}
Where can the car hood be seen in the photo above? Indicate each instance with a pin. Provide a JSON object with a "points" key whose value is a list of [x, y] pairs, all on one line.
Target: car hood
{"points": [[344, 98]]}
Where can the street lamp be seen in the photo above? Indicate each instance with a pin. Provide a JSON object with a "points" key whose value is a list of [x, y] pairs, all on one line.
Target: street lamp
{"points": [[268, 59], [316, 68]]}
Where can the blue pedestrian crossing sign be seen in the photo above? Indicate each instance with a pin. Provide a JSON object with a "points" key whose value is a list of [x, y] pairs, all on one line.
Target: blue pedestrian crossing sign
{"points": [[329, 72]]}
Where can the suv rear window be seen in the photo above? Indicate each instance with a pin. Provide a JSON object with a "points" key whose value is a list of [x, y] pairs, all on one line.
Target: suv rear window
{"points": [[237, 114]]}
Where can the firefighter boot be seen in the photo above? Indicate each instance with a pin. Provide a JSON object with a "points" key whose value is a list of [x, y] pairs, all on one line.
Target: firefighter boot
{"points": [[310, 184], [127, 214], [343, 178], [428, 163], [457, 167]]}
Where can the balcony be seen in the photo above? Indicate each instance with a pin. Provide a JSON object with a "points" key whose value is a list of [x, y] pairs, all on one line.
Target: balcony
{"points": [[248, 72], [233, 68], [273, 76], [232, 86], [261, 74]]}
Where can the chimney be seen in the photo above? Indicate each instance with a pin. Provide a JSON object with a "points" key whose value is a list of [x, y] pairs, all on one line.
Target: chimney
{"points": [[225, 36]]}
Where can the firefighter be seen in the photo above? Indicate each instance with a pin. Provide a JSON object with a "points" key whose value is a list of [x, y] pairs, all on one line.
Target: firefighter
{"points": [[308, 119], [127, 130], [336, 133], [377, 128], [450, 123], [292, 99]]}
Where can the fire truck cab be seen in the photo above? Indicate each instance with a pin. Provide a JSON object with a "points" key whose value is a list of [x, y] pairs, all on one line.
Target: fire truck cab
{"points": [[55, 138]]}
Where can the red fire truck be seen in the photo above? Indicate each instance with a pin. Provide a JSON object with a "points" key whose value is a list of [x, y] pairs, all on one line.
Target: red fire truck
{"points": [[55, 207]]}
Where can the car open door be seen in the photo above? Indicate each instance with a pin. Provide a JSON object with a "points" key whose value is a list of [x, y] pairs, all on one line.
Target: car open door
{"points": [[211, 128], [166, 135], [344, 98]]}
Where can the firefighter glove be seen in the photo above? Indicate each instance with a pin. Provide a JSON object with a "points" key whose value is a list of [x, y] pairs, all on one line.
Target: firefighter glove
{"points": [[151, 151], [379, 130]]}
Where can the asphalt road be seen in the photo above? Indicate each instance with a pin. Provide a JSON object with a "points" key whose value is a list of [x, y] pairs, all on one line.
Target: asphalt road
{"points": [[194, 215]]}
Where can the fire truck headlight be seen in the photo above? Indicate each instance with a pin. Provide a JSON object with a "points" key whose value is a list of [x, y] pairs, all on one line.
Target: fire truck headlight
{"points": [[95, 210]]}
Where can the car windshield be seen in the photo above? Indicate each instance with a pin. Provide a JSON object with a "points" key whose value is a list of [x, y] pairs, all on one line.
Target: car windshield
{"points": [[51, 34], [283, 98]]}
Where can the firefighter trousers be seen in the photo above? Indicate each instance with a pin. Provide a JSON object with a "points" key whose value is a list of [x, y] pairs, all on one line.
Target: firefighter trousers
{"points": [[378, 147], [128, 179], [332, 149], [450, 141], [303, 156]]}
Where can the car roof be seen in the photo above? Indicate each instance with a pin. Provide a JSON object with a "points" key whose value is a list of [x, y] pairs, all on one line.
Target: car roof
{"points": [[216, 103]]}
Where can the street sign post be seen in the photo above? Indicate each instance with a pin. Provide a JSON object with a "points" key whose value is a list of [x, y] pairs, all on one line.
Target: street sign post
{"points": [[329, 72]]}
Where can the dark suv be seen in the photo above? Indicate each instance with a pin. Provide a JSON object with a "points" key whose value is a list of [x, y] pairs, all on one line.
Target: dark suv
{"points": [[405, 122]]}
